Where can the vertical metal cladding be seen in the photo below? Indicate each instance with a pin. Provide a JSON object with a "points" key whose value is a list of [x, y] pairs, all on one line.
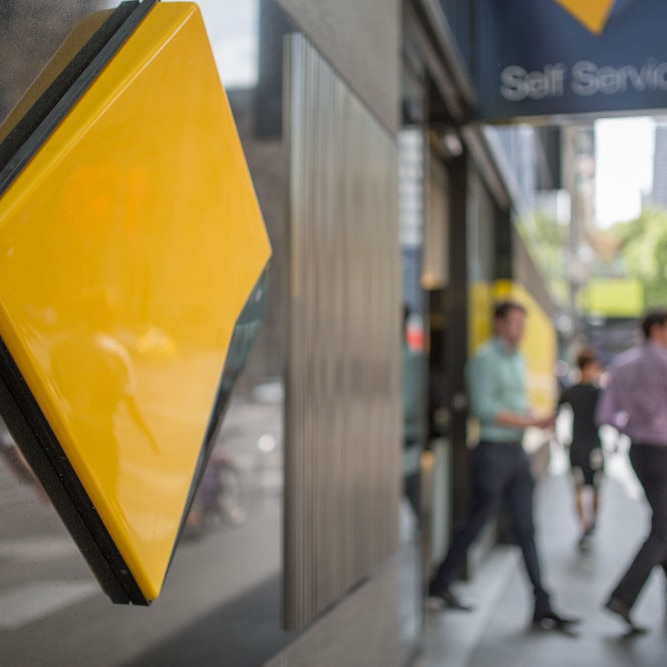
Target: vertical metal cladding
{"points": [[343, 411]]}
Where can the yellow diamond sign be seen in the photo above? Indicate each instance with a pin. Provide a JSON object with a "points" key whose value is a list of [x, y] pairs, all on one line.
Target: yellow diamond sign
{"points": [[131, 248], [592, 14]]}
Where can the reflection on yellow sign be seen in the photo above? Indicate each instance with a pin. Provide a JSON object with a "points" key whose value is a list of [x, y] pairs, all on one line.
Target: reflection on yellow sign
{"points": [[129, 246], [592, 14]]}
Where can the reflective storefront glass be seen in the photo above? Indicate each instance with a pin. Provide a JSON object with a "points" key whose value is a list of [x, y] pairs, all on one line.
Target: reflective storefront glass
{"points": [[221, 602], [295, 522]]}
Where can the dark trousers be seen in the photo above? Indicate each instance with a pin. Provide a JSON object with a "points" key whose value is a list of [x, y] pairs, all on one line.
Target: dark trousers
{"points": [[500, 471], [650, 464]]}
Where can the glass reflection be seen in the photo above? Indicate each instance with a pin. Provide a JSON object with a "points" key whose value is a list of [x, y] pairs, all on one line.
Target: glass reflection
{"points": [[232, 31], [221, 601], [30, 33], [15, 463], [412, 156]]}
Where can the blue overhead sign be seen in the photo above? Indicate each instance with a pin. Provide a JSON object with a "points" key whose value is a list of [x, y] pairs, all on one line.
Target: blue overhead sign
{"points": [[555, 57]]}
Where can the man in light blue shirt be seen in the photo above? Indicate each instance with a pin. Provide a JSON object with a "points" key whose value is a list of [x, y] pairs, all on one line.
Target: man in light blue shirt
{"points": [[497, 388], [501, 468], [635, 403]]}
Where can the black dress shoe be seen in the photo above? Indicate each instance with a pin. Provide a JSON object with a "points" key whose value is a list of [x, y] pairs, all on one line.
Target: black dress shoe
{"points": [[548, 619], [585, 542], [450, 600], [615, 606]]}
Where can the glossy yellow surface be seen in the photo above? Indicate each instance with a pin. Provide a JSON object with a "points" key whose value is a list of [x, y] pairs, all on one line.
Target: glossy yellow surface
{"points": [[128, 247], [480, 301], [593, 14]]}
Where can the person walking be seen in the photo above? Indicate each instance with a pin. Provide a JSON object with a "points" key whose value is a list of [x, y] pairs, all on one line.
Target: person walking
{"points": [[586, 458], [635, 403], [500, 466]]}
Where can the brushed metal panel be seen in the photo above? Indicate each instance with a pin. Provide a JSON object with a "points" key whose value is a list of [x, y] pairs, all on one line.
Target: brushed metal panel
{"points": [[362, 39], [363, 630], [343, 411]]}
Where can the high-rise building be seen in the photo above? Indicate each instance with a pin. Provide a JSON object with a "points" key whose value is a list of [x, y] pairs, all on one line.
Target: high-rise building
{"points": [[658, 195]]}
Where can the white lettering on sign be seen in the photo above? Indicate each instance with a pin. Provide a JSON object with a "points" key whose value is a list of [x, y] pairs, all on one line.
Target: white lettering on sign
{"points": [[584, 80], [589, 79], [518, 84]]}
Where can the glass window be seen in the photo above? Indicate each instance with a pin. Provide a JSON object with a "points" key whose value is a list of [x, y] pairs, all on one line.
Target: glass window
{"points": [[221, 602]]}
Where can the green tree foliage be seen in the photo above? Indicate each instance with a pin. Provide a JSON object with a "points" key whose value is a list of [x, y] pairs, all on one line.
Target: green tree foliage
{"points": [[546, 238], [644, 253]]}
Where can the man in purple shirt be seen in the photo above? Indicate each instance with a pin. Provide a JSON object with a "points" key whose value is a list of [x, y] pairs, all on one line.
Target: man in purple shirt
{"points": [[635, 403]]}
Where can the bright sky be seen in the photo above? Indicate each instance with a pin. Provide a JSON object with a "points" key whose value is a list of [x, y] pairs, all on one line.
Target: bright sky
{"points": [[624, 167], [232, 29]]}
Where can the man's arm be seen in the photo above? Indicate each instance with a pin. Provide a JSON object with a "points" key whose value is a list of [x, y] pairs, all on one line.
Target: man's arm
{"points": [[485, 406], [563, 399], [607, 411], [524, 421]]}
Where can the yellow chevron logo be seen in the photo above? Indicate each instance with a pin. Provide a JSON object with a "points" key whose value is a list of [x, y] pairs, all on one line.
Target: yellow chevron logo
{"points": [[592, 14]]}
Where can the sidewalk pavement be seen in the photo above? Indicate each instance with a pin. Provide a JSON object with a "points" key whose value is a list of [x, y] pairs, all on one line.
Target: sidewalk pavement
{"points": [[498, 633]]}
